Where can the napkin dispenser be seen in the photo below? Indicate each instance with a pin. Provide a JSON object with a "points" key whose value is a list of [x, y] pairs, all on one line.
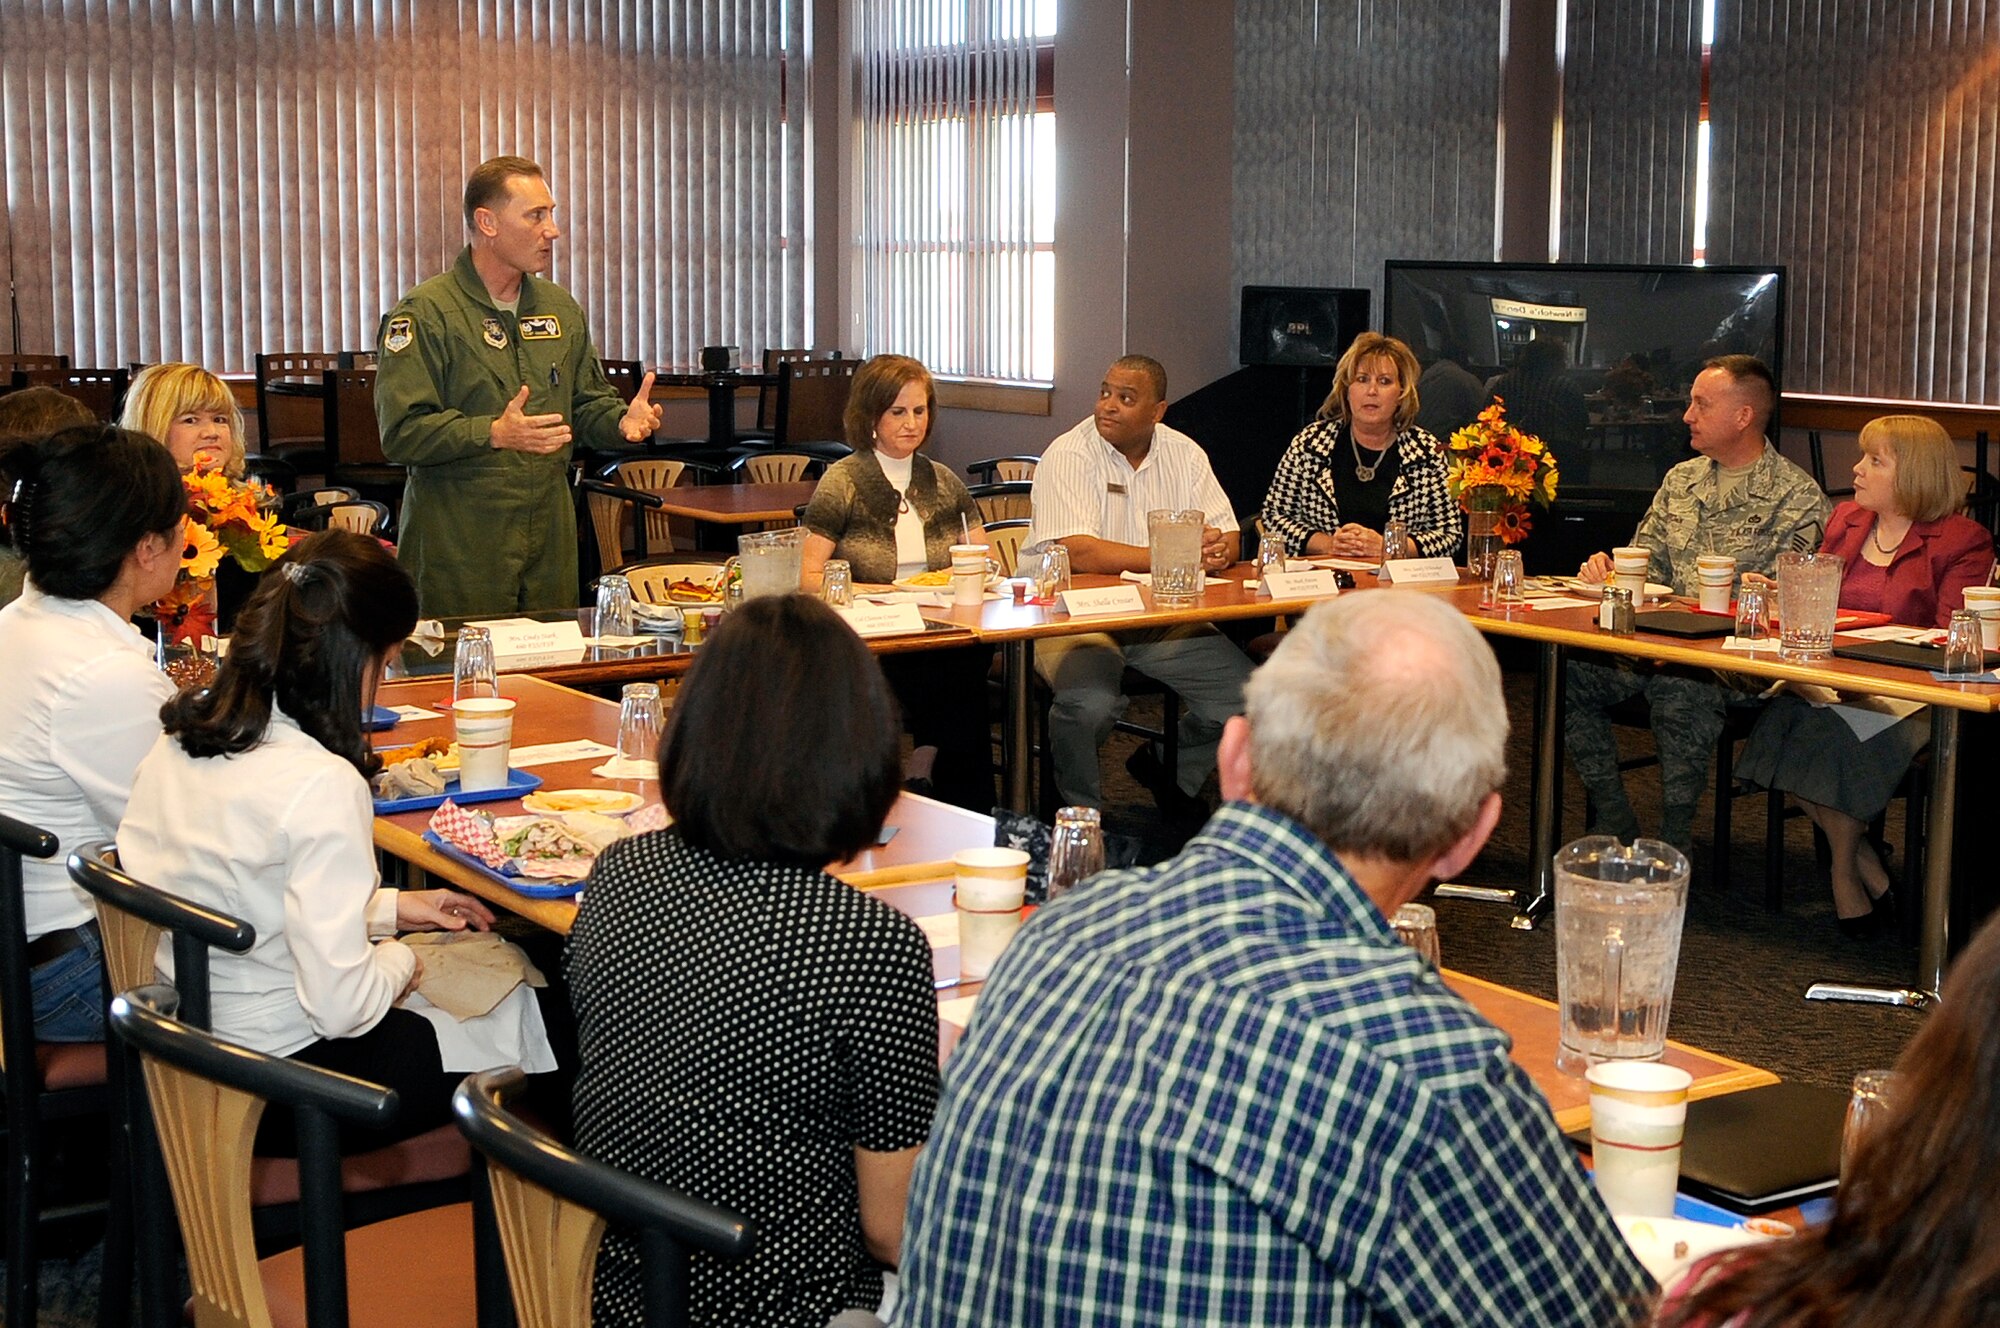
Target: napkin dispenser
{"points": [[720, 359]]}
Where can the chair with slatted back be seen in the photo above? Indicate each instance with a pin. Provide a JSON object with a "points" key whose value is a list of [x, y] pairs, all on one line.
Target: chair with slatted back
{"points": [[653, 578], [661, 532], [354, 454], [208, 1096], [363, 516], [101, 390], [1005, 500], [774, 467], [552, 1204], [766, 427], [812, 403], [292, 423], [1005, 537], [601, 525], [30, 369], [1003, 470]]}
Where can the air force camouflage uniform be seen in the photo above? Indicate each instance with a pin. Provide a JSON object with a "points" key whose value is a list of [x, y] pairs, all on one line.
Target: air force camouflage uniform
{"points": [[1776, 508], [487, 530]]}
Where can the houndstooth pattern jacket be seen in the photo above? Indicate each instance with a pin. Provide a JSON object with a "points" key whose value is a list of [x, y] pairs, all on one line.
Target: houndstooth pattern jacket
{"points": [[1301, 502]]}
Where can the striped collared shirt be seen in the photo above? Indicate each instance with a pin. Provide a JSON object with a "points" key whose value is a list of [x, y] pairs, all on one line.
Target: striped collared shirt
{"points": [[1218, 1091], [1084, 487]]}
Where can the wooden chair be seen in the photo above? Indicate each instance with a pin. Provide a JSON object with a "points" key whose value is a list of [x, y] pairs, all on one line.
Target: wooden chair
{"points": [[1004, 500], [101, 390], [812, 404], [773, 467], [307, 499], [363, 516], [30, 369], [1001, 470], [601, 525], [660, 532], [650, 577], [277, 472], [552, 1205], [293, 426], [766, 427], [1006, 537], [354, 456], [47, 1082], [208, 1096], [359, 359]]}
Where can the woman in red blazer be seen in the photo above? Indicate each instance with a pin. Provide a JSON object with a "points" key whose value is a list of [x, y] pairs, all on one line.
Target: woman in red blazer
{"points": [[1906, 551]]}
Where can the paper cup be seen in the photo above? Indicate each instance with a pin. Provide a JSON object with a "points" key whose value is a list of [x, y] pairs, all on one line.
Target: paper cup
{"points": [[1715, 588], [1985, 601], [1638, 1113], [991, 886], [1628, 566], [484, 728]]}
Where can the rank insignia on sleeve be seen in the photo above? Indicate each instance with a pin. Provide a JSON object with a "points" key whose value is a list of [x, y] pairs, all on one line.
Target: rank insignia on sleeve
{"points": [[398, 336], [541, 327], [496, 336]]}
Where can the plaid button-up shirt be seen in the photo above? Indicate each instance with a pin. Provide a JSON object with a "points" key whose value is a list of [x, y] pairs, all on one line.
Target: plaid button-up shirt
{"points": [[1219, 1091]]}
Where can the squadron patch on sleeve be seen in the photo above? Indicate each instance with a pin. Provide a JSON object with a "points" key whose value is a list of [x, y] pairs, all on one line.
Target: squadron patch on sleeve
{"points": [[496, 335], [541, 327], [398, 336]]}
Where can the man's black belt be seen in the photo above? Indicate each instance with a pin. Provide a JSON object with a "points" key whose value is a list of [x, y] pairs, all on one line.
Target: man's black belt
{"points": [[56, 944]]}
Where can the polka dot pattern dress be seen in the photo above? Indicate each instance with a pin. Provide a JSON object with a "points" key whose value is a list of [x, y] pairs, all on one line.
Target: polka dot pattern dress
{"points": [[743, 1027]]}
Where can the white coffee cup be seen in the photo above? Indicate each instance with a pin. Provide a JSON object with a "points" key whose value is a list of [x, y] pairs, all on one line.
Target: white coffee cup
{"points": [[968, 573], [1638, 1114], [1985, 601], [1717, 574], [1628, 568], [484, 728], [991, 886]]}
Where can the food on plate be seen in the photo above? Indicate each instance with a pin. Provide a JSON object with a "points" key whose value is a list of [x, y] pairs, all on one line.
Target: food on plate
{"points": [[546, 847], [432, 747], [605, 802], [692, 591], [941, 577]]}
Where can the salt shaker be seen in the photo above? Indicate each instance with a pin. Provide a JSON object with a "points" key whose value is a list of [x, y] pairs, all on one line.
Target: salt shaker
{"points": [[1614, 612]]}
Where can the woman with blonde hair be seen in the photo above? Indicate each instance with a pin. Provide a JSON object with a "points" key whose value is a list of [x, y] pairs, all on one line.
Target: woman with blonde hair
{"points": [[192, 412], [1908, 552], [1363, 463]]}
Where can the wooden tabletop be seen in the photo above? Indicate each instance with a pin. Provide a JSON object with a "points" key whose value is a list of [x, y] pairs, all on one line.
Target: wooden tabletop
{"points": [[927, 832], [1003, 620], [736, 504]]}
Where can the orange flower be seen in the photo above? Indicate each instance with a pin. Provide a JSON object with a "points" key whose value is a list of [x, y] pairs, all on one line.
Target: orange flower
{"points": [[1514, 524]]}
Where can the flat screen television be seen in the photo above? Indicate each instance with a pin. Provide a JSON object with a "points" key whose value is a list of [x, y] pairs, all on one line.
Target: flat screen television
{"points": [[1595, 358]]}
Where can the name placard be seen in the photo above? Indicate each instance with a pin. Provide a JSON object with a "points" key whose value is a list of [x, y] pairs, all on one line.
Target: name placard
{"points": [[1315, 584], [1100, 600], [1420, 572], [525, 636], [883, 619]]}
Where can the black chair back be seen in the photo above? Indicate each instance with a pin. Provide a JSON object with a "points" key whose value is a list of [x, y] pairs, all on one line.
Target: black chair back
{"points": [[287, 422], [18, 840], [812, 399]]}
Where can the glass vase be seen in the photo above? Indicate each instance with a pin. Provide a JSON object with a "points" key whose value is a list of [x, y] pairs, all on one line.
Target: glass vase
{"points": [[1482, 543]]}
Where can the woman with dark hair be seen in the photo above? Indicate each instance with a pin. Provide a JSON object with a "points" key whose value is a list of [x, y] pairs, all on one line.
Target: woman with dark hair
{"points": [[892, 512], [28, 416], [1915, 1233], [255, 801], [1362, 463], [95, 515], [754, 1032]]}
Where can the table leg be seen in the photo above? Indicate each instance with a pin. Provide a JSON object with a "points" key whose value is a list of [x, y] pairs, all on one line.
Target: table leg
{"points": [[1544, 788], [1017, 744], [1934, 936]]}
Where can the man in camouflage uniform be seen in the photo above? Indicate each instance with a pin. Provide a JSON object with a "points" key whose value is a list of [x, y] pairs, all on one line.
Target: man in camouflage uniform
{"points": [[486, 375], [1738, 497]]}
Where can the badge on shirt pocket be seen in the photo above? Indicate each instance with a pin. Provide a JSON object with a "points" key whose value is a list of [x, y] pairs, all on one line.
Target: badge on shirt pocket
{"points": [[399, 336], [496, 335], [541, 327]]}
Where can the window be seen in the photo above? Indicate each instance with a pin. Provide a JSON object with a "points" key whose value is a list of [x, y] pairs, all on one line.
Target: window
{"points": [[212, 180], [955, 185]]}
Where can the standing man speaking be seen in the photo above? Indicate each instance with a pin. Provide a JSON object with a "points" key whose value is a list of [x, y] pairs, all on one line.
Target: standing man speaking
{"points": [[486, 376]]}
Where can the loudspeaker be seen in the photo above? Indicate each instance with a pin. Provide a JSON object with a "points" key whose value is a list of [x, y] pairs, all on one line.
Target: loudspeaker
{"points": [[1300, 325]]}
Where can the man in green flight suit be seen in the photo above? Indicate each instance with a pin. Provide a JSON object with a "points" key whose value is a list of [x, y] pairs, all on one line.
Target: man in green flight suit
{"points": [[486, 375]]}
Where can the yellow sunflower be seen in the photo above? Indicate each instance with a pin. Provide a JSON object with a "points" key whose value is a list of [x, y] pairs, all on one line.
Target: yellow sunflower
{"points": [[201, 553]]}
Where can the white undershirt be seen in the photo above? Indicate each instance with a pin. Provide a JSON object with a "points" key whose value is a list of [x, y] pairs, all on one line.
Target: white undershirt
{"points": [[911, 553]]}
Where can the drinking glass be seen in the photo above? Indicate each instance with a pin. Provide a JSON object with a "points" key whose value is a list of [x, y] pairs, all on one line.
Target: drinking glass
{"points": [[1508, 588], [1395, 541], [1174, 540], [1270, 554], [640, 719], [1808, 603], [1052, 576], [1417, 927], [614, 606], [1964, 652], [1866, 1105], [472, 670], [836, 584], [1753, 613], [1077, 852]]}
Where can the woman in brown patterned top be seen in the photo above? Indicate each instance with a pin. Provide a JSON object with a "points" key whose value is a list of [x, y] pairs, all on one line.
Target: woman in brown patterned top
{"points": [[892, 512]]}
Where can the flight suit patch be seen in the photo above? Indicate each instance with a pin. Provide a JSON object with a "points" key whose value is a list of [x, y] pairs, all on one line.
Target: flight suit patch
{"points": [[496, 336], [541, 327], [399, 336]]}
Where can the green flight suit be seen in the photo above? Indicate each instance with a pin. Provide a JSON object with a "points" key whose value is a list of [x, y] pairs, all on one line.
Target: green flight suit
{"points": [[487, 531]]}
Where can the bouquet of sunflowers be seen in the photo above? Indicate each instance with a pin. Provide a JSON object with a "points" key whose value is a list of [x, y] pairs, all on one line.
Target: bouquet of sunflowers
{"points": [[1497, 468], [225, 517]]}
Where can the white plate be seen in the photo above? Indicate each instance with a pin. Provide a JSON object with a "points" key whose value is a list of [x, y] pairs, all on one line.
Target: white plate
{"points": [[605, 802], [912, 583], [1658, 1242]]}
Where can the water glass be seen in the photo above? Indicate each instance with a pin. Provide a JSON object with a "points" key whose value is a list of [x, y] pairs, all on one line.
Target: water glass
{"points": [[1271, 555], [836, 584], [1417, 927], [640, 719], [1508, 588], [473, 673], [1753, 613], [1867, 1104], [614, 606], [1077, 852], [1174, 541], [1395, 541], [1808, 603], [1052, 574], [1964, 651]]}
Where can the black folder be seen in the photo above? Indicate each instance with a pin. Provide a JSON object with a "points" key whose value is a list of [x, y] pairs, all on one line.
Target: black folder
{"points": [[1762, 1148], [1683, 622], [1906, 654]]}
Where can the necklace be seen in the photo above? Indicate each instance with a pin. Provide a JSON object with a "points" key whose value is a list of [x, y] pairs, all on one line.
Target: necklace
{"points": [[1362, 471], [1876, 535]]}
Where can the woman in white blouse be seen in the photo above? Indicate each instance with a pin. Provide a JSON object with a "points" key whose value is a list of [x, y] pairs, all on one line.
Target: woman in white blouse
{"points": [[255, 801], [95, 513]]}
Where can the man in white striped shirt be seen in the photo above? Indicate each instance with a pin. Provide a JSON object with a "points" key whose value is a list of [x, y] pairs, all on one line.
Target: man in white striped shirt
{"points": [[1093, 489]]}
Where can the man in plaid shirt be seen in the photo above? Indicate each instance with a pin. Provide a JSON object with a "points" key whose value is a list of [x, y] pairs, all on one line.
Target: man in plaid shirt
{"points": [[1219, 1091]]}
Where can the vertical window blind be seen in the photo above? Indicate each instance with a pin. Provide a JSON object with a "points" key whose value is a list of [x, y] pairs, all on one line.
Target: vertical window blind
{"points": [[954, 186], [1365, 130], [207, 179]]}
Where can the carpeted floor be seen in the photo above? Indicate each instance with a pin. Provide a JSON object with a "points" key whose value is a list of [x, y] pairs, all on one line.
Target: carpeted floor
{"points": [[1742, 977]]}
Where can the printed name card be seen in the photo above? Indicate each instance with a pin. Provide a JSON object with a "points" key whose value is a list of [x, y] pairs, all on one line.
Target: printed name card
{"points": [[1100, 600], [1420, 572], [1301, 585], [525, 636], [883, 619]]}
